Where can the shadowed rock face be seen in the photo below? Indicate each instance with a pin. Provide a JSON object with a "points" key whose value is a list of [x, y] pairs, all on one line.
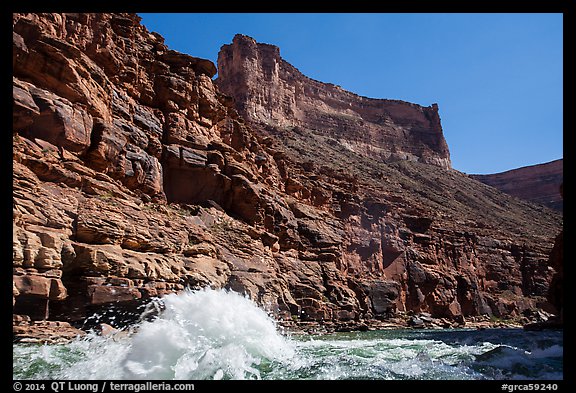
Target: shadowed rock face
{"points": [[134, 176], [270, 91], [536, 183]]}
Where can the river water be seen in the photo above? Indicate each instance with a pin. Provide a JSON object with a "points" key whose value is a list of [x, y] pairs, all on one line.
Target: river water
{"points": [[212, 334]]}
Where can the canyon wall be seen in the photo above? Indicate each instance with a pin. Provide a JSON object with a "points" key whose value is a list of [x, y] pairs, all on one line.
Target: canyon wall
{"points": [[536, 183], [135, 176], [269, 90]]}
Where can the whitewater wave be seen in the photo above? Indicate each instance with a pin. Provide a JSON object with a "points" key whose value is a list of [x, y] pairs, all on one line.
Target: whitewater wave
{"points": [[509, 362], [218, 334], [205, 335]]}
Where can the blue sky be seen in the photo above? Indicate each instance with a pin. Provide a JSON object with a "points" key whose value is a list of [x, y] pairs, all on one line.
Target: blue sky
{"points": [[497, 78]]}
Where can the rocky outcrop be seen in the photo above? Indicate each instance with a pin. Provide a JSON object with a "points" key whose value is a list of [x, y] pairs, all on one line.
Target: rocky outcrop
{"points": [[556, 289], [134, 176], [556, 292], [271, 91], [408, 236], [52, 332], [535, 183], [556, 262], [109, 126]]}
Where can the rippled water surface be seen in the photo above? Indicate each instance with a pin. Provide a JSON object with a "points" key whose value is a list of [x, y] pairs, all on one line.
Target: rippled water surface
{"points": [[220, 335]]}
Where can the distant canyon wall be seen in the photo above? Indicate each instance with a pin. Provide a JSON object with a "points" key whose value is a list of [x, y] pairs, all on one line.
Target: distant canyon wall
{"points": [[536, 183]]}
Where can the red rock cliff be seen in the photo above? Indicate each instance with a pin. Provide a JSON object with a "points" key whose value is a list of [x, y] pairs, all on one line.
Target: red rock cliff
{"points": [[271, 91], [134, 176], [537, 183]]}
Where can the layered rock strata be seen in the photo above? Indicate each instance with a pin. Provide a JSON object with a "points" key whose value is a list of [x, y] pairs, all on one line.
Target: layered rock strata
{"points": [[535, 183], [399, 218], [134, 176], [269, 90]]}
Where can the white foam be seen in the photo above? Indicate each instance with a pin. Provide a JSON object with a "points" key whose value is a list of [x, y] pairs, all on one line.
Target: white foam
{"points": [[92, 357], [211, 334], [204, 335]]}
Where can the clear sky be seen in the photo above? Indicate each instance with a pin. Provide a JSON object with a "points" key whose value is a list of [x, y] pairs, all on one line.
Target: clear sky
{"points": [[497, 78]]}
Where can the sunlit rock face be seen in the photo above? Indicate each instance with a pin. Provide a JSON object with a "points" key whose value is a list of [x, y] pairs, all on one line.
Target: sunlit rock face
{"points": [[271, 91], [135, 176]]}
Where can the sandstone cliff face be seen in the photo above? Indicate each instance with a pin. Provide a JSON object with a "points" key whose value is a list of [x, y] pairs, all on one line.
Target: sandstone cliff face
{"points": [[109, 126], [271, 91], [407, 235], [556, 261], [536, 183], [133, 176]]}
